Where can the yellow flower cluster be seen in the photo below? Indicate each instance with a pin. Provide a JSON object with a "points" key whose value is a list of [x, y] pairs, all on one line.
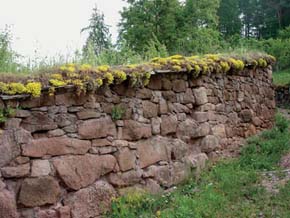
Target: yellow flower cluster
{"points": [[13, 88], [87, 78]]}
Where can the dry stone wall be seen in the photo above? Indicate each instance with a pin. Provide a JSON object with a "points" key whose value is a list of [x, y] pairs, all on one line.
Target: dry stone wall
{"points": [[65, 156]]}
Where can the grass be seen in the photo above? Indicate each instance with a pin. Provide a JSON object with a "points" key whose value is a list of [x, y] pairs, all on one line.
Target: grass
{"points": [[281, 78], [229, 189]]}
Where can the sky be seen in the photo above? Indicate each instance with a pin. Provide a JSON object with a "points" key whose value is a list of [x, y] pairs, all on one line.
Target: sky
{"points": [[50, 27]]}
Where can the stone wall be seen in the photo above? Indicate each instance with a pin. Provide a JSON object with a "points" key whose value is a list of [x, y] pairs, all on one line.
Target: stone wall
{"points": [[64, 156]]}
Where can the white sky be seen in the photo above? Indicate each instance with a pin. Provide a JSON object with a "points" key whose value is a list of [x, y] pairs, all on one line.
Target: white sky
{"points": [[53, 26]]}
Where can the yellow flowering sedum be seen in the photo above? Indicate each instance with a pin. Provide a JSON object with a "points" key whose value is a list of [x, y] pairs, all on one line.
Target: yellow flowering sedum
{"points": [[57, 83], [34, 88], [109, 77], [87, 78]]}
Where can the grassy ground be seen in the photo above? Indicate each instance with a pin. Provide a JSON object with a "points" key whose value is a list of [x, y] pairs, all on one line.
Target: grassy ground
{"points": [[230, 189], [282, 77]]}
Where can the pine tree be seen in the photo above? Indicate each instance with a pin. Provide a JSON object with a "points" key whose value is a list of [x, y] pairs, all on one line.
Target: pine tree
{"points": [[99, 38]]}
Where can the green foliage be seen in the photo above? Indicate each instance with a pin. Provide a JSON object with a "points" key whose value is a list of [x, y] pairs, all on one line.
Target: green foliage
{"points": [[281, 78], [144, 19], [201, 13], [8, 58], [200, 41], [264, 152], [99, 37], [6, 113], [118, 112], [228, 189], [229, 20]]}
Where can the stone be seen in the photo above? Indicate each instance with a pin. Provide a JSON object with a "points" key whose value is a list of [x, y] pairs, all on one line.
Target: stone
{"points": [[156, 124], [103, 150], [186, 129], [101, 142], [12, 123], [246, 115], [7, 205], [162, 174], [134, 130], [144, 93], [207, 107], [70, 129], [119, 123], [166, 84], [38, 121], [64, 212], [47, 214], [169, 96], [88, 114], [152, 187], [40, 168], [197, 161], [168, 124], [201, 117], [70, 99], [16, 172], [179, 85], [75, 109], [91, 201], [55, 133], [200, 96], [128, 178], [120, 143], [180, 173], [202, 130], [155, 83], [39, 191], [64, 120], [73, 170], [163, 107], [21, 160], [9, 148], [126, 159], [149, 109], [151, 151], [55, 146], [209, 143], [251, 131], [219, 130], [22, 136], [97, 128], [188, 97]]}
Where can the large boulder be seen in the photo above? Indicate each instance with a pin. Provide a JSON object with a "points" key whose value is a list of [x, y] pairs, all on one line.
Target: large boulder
{"points": [[7, 205], [168, 124], [92, 201], [149, 109], [55, 146], [80, 171], [134, 130], [38, 121], [39, 191], [97, 128], [152, 151], [200, 96], [16, 171], [9, 148]]}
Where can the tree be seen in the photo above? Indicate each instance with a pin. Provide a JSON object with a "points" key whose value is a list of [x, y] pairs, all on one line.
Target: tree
{"points": [[201, 13], [144, 19], [8, 58], [99, 38], [229, 17]]}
